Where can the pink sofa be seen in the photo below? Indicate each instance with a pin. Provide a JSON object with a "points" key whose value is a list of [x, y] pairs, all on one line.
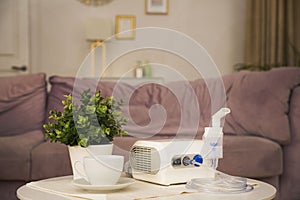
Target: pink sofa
{"points": [[262, 133]]}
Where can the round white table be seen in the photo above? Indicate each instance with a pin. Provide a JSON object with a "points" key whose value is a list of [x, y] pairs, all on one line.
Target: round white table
{"points": [[61, 188]]}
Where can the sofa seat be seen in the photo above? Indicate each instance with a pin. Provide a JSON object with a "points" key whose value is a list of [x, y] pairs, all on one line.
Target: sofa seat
{"points": [[50, 160], [247, 156], [238, 151], [15, 155]]}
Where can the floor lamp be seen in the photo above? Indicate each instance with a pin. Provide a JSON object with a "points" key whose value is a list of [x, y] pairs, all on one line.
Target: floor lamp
{"points": [[97, 31]]}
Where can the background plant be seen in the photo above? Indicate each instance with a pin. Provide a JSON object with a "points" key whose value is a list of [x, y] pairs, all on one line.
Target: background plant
{"points": [[266, 67], [95, 121]]}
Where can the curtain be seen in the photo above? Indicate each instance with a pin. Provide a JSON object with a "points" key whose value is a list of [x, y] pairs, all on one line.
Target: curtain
{"points": [[271, 33]]}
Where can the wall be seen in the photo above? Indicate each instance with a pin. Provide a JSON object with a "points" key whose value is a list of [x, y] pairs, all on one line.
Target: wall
{"points": [[57, 32]]}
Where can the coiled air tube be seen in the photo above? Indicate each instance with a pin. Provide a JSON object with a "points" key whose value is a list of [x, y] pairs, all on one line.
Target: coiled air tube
{"points": [[221, 183]]}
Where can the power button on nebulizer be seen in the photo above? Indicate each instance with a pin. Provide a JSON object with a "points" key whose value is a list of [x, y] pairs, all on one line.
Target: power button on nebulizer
{"points": [[197, 160]]}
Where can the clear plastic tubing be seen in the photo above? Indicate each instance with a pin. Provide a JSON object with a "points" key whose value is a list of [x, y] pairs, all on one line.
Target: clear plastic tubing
{"points": [[222, 183]]}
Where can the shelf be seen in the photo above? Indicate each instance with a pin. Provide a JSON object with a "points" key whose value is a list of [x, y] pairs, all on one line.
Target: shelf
{"points": [[134, 81]]}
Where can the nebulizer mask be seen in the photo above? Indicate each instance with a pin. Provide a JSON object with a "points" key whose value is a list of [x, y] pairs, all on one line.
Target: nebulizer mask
{"points": [[213, 149]]}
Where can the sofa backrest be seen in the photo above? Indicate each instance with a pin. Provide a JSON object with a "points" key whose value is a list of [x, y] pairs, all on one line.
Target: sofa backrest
{"points": [[22, 103], [259, 103], [142, 101]]}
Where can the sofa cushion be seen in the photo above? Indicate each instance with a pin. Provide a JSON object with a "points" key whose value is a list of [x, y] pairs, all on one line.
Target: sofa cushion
{"points": [[259, 103], [247, 156], [50, 160], [15, 155], [61, 86], [208, 90], [251, 156], [155, 110], [22, 102], [140, 102]]}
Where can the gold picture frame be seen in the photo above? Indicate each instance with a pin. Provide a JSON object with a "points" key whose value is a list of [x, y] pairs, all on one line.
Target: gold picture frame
{"points": [[157, 7], [125, 26]]}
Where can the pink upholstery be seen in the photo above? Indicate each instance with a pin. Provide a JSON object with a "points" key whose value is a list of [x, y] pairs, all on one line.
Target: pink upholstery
{"points": [[15, 155], [290, 180], [259, 102], [22, 103], [261, 134]]}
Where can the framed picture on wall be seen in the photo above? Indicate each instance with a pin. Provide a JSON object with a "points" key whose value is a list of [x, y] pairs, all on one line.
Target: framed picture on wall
{"points": [[125, 27], [160, 7]]}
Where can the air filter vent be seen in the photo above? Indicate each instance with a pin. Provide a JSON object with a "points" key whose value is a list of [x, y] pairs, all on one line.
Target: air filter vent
{"points": [[144, 159]]}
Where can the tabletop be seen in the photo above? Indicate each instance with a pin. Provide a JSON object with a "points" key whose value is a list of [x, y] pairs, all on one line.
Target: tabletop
{"points": [[61, 188]]}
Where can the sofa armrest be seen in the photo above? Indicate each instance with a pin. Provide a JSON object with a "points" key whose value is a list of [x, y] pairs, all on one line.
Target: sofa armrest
{"points": [[291, 177]]}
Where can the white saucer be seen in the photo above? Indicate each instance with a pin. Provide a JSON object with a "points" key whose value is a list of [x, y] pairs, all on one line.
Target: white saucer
{"points": [[122, 183]]}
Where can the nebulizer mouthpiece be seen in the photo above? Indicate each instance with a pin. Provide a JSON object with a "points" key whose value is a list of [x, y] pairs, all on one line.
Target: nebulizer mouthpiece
{"points": [[216, 118], [213, 149]]}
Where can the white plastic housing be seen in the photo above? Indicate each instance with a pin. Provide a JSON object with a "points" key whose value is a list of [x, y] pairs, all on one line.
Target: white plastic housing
{"points": [[152, 161]]}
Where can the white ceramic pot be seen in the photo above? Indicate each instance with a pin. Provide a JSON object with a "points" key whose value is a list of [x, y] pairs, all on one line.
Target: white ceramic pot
{"points": [[77, 153]]}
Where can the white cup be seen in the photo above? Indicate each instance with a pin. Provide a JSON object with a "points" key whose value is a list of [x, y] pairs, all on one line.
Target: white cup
{"points": [[101, 169]]}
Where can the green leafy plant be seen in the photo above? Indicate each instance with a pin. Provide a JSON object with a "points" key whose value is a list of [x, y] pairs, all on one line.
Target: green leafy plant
{"points": [[95, 121], [252, 67], [266, 67], [296, 53]]}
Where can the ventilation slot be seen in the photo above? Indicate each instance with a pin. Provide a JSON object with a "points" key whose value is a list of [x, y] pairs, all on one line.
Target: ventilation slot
{"points": [[141, 159]]}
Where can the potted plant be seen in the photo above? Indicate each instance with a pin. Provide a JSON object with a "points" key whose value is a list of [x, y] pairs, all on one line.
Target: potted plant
{"points": [[87, 128]]}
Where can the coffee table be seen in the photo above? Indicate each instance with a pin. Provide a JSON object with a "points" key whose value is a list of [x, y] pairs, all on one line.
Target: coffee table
{"points": [[61, 188]]}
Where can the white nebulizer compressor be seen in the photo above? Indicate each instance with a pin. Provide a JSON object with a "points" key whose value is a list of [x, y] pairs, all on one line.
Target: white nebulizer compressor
{"points": [[176, 161]]}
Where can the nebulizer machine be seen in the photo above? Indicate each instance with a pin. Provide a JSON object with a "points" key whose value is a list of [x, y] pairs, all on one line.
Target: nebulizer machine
{"points": [[165, 162]]}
